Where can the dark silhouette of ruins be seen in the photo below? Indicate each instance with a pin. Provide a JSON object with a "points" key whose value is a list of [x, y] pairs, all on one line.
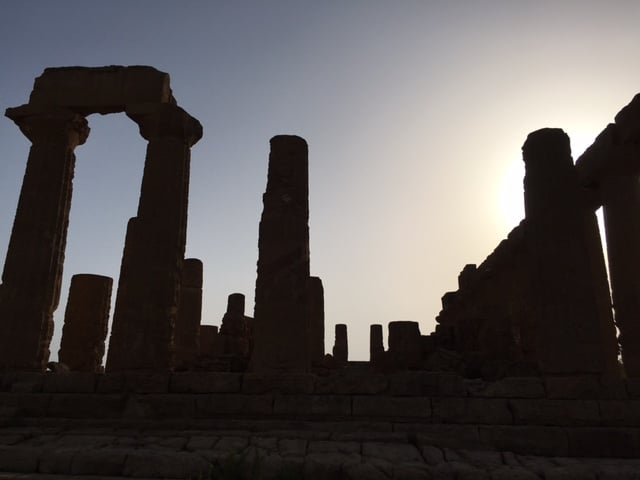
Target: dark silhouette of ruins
{"points": [[539, 304], [524, 357]]}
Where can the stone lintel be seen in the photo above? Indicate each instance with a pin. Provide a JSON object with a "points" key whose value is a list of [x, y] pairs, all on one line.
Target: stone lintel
{"points": [[103, 90]]}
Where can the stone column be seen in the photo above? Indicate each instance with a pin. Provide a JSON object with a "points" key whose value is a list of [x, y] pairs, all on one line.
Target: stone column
{"points": [[187, 328], [281, 324], [315, 315], [341, 346], [376, 346], [86, 321], [149, 284], [32, 275], [208, 341], [621, 208], [571, 307], [405, 344]]}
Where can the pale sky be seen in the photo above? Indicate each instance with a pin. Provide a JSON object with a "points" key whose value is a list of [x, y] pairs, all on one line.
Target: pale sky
{"points": [[414, 112]]}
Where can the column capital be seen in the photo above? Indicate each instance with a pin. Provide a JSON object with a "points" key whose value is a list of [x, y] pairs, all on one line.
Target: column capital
{"points": [[165, 120], [54, 126]]}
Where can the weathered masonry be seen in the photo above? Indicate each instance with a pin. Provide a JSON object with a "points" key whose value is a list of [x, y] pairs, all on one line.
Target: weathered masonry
{"points": [[148, 291]]}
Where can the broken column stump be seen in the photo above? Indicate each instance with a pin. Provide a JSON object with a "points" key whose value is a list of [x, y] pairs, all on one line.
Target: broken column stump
{"points": [[376, 346], [341, 345], [235, 335], [280, 321], [187, 328], [86, 321], [405, 345]]}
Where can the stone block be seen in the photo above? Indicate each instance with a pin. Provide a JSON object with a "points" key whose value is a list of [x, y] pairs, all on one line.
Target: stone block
{"points": [[370, 436], [110, 383], [328, 465], [633, 387], [555, 412], [352, 384], [19, 459], [147, 382], [73, 382], [392, 407], [86, 405], [326, 446], [160, 406], [201, 442], [292, 446], [391, 452], [25, 404], [213, 405], [620, 413], [106, 461], [205, 382], [604, 442], [450, 436], [427, 384], [268, 444], [531, 440], [22, 382], [511, 387], [306, 405], [472, 410], [509, 472], [583, 387], [162, 464], [612, 387], [57, 460], [363, 471], [278, 383]]}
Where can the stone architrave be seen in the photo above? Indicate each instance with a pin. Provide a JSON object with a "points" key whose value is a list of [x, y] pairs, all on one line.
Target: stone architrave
{"points": [[571, 307], [86, 321], [341, 345], [376, 346], [281, 296], [405, 344], [150, 274], [316, 319], [32, 275], [187, 328]]}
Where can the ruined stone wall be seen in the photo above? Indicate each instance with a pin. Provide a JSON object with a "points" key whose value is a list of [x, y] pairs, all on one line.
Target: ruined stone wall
{"points": [[487, 319]]}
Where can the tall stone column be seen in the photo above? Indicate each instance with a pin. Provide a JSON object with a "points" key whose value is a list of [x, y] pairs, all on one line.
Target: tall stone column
{"points": [[149, 284], [621, 208], [187, 327], [32, 275], [281, 324], [86, 321], [571, 307]]}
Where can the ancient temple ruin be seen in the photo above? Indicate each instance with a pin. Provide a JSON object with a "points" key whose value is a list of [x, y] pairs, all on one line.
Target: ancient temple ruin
{"points": [[538, 305], [521, 372], [148, 291]]}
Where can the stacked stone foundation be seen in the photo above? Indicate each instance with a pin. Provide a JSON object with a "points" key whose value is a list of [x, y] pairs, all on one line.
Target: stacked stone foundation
{"points": [[338, 421]]}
